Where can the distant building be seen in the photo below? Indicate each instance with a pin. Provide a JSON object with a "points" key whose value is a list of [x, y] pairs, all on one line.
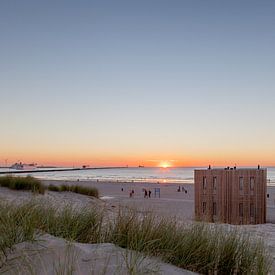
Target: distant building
{"points": [[231, 195]]}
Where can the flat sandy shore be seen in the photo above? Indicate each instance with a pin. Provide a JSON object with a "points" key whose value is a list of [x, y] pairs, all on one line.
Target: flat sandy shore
{"points": [[170, 203]]}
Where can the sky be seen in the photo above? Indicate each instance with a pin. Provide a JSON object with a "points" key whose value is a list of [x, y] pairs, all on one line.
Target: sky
{"points": [[110, 83]]}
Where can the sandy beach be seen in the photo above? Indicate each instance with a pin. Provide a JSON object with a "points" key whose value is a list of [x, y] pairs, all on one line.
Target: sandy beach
{"points": [[171, 202]]}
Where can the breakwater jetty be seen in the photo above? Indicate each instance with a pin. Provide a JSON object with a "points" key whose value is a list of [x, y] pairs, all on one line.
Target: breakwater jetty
{"points": [[57, 170]]}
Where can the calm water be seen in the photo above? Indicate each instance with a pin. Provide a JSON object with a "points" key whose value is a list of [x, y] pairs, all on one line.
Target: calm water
{"points": [[176, 175]]}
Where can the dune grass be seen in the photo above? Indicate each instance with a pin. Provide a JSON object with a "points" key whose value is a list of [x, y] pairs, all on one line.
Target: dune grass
{"points": [[198, 247], [54, 188], [89, 191], [35, 185], [22, 223], [22, 183]]}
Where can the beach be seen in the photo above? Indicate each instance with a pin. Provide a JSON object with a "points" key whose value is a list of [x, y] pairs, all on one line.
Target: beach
{"points": [[175, 201], [170, 203]]}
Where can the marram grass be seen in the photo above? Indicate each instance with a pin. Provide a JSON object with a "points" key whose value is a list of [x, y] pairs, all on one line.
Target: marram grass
{"points": [[32, 184], [198, 247], [89, 191], [22, 183]]}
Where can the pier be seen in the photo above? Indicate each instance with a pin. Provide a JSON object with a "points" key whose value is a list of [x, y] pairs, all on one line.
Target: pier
{"points": [[58, 170]]}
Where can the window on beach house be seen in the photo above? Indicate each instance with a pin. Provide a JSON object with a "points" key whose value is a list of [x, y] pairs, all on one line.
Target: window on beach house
{"points": [[241, 209], [204, 183], [204, 207], [252, 210], [214, 184], [252, 182], [241, 184], [214, 208]]}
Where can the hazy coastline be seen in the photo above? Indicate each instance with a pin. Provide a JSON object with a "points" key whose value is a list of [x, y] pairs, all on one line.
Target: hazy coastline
{"points": [[179, 175]]}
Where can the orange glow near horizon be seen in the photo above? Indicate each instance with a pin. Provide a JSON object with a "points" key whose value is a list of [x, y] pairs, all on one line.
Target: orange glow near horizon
{"points": [[97, 159], [165, 164], [76, 161]]}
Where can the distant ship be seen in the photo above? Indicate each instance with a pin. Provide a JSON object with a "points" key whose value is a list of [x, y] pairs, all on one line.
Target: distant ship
{"points": [[23, 166], [141, 166], [17, 166]]}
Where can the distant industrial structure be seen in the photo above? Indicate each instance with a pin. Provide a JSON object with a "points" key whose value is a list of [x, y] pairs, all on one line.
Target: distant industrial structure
{"points": [[231, 195]]}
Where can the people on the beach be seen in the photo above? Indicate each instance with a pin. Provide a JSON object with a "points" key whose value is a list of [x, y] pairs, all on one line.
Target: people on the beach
{"points": [[131, 194], [184, 190], [145, 193]]}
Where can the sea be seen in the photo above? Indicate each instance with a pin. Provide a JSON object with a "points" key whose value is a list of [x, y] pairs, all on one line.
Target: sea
{"points": [[141, 174]]}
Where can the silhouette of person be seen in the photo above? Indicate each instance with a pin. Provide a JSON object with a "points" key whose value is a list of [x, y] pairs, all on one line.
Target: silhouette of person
{"points": [[145, 193]]}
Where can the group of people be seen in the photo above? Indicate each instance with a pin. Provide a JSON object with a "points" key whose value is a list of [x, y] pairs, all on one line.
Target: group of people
{"points": [[147, 193], [182, 189]]}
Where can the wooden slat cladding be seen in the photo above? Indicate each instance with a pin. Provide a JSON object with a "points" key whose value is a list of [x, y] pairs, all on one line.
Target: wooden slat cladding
{"points": [[230, 195]]}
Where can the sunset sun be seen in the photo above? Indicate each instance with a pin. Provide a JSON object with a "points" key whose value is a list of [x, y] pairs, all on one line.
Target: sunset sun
{"points": [[164, 164]]}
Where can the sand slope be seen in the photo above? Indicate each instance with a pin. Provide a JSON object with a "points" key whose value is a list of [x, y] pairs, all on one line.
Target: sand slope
{"points": [[51, 255]]}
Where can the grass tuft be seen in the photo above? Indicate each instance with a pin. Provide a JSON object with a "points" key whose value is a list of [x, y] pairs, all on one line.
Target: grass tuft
{"points": [[19, 223], [54, 188], [22, 183], [197, 247], [89, 191], [35, 185]]}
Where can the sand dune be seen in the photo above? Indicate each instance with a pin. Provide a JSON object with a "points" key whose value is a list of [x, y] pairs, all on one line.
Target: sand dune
{"points": [[113, 195], [51, 255]]}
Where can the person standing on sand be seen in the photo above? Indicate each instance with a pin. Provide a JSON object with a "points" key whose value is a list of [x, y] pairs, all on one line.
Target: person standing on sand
{"points": [[150, 193], [145, 193]]}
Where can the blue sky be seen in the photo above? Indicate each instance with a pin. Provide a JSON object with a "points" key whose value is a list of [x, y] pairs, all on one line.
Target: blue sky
{"points": [[109, 82]]}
